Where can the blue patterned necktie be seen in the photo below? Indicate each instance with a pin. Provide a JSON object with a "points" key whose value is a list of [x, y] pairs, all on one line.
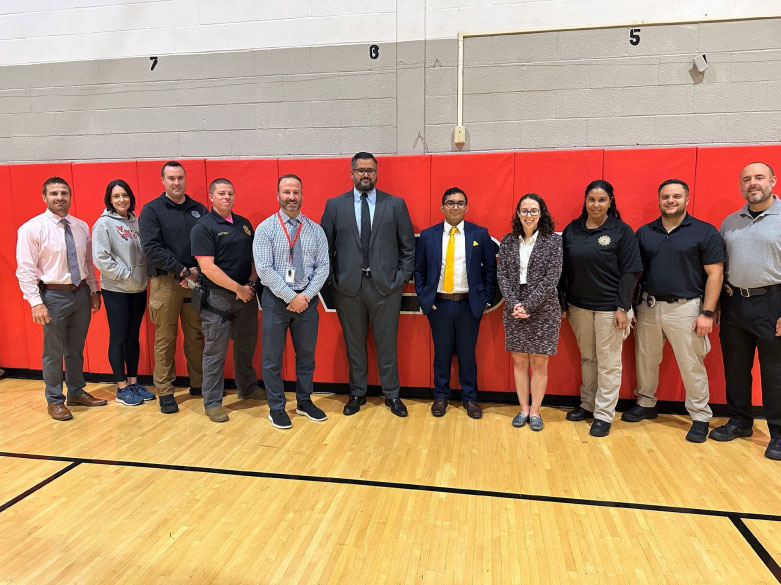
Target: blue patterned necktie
{"points": [[70, 251], [298, 263]]}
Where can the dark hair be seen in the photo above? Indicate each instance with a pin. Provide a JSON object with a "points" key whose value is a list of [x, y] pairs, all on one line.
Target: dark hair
{"points": [[673, 182], [170, 163], [289, 176], [759, 162], [362, 156], [55, 181], [452, 191], [220, 181], [612, 211], [544, 226], [110, 188]]}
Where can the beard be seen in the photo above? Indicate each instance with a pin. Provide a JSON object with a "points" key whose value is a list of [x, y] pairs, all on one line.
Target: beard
{"points": [[364, 184]]}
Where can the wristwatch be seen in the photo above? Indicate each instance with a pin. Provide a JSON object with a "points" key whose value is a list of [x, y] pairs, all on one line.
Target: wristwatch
{"points": [[708, 314]]}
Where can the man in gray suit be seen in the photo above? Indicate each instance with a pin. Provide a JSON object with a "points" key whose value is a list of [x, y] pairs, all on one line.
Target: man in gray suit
{"points": [[371, 246]]}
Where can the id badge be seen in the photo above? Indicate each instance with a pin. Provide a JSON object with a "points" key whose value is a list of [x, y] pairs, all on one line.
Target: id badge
{"points": [[290, 275]]}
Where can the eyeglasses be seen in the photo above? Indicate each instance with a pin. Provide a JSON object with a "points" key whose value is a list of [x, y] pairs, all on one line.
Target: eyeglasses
{"points": [[453, 204], [532, 212], [364, 171]]}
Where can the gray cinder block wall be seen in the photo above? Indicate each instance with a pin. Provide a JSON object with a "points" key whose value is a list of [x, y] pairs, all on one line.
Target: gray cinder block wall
{"points": [[546, 90]]}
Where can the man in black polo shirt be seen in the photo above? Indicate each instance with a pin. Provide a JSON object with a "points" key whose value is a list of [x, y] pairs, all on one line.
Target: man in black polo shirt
{"points": [[165, 225], [222, 244], [683, 263]]}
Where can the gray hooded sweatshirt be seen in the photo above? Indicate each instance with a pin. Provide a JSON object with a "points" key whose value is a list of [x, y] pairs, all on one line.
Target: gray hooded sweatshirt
{"points": [[116, 251]]}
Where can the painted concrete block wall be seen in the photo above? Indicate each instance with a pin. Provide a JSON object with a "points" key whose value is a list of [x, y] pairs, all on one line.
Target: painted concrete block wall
{"points": [[76, 80], [593, 88], [35, 31]]}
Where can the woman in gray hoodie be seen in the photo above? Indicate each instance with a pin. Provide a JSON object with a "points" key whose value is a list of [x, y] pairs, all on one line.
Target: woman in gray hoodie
{"points": [[116, 251]]}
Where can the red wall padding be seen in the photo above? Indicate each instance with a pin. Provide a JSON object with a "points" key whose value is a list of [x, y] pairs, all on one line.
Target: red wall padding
{"points": [[493, 182]]}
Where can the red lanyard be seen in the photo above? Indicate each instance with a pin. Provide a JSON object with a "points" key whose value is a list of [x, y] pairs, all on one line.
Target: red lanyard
{"points": [[287, 235]]}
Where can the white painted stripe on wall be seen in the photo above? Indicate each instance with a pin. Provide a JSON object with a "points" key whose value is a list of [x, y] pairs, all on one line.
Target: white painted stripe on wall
{"points": [[40, 31]]}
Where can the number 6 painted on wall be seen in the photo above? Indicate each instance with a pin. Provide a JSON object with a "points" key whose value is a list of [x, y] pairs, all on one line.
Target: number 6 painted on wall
{"points": [[374, 52]]}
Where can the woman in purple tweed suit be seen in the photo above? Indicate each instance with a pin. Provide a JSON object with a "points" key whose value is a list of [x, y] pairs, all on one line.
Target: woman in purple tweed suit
{"points": [[528, 271]]}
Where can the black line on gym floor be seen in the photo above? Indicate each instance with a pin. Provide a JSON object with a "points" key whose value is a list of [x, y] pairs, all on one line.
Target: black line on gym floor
{"points": [[408, 486], [761, 551], [39, 485]]}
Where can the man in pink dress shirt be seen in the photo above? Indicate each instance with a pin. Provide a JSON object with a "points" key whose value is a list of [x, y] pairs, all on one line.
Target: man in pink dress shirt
{"points": [[54, 268]]}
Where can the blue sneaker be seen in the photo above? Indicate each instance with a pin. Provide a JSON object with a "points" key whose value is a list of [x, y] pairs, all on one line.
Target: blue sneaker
{"points": [[143, 392], [128, 397]]}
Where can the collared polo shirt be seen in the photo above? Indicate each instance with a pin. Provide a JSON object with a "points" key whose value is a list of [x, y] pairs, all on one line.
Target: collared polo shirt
{"points": [[596, 262], [673, 262], [230, 243], [753, 246]]}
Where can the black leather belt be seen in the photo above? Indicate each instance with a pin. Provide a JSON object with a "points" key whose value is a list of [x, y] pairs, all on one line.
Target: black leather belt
{"points": [[731, 289], [453, 297]]}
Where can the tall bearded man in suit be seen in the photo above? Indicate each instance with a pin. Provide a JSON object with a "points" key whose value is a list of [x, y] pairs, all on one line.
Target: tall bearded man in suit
{"points": [[455, 279], [371, 246]]}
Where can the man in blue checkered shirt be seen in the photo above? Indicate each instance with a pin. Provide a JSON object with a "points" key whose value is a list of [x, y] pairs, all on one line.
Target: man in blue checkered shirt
{"points": [[291, 257]]}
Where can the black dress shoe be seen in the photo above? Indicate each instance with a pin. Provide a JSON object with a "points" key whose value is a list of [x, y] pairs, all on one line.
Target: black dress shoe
{"points": [[599, 428], [397, 406], [579, 414], [773, 450], [729, 431], [354, 404], [638, 413]]}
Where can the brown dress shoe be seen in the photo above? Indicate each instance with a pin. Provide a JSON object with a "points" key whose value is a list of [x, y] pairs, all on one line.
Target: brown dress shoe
{"points": [[439, 407], [473, 409], [58, 411], [85, 399]]}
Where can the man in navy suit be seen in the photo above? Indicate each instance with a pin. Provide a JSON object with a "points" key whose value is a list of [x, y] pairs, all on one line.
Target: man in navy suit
{"points": [[455, 279]]}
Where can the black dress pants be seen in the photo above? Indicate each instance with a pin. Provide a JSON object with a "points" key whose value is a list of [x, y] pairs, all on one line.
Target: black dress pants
{"points": [[748, 325]]}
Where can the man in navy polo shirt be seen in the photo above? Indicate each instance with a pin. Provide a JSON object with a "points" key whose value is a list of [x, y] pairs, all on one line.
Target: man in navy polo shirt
{"points": [[683, 262]]}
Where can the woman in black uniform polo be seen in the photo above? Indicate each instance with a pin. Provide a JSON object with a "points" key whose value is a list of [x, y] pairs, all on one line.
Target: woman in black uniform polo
{"points": [[601, 267]]}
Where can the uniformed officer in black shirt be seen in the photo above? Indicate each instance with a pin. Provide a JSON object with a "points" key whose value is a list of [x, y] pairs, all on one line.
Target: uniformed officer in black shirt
{"points": [[222, 244], [683, 263], [165, 224], [601, 267]]}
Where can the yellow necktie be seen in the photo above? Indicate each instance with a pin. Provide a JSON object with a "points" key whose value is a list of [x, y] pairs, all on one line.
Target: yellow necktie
{"points": [[450, 260]]}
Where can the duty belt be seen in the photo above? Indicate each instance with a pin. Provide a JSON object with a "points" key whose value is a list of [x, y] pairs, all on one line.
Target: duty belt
{"points": [[650, 299]]}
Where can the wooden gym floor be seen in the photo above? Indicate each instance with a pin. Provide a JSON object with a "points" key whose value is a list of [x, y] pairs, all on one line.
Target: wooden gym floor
{"points": [[129, 495]]}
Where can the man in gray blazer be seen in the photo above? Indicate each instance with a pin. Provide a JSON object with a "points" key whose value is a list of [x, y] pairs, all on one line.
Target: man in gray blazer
{"points": [[371, 246]]}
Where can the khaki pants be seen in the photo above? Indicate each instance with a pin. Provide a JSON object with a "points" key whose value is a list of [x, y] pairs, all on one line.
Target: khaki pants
{"points": [[600, 347], [166, 307], [672, 322]]}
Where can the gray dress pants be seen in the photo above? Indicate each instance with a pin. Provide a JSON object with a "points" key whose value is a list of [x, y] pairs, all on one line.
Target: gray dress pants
{"points": [[63, 337]]}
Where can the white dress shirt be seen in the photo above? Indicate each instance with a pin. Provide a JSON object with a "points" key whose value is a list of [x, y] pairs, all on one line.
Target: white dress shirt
{"points": [[460, 283], [41, 254], [525, 251]]}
